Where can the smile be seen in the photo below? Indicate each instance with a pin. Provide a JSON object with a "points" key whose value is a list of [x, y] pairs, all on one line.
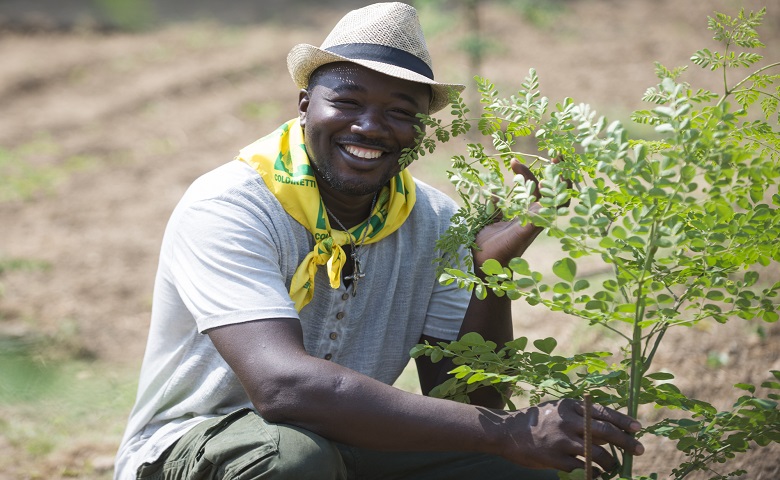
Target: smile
{"points": [[360, 152]]}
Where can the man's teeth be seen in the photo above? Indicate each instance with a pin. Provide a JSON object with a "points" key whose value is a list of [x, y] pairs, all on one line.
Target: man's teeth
{"points": [[362, 152]]}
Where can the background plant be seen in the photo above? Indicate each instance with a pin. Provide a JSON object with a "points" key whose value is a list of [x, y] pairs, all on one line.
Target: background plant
{"points": [[687, 223], [476, 41]]}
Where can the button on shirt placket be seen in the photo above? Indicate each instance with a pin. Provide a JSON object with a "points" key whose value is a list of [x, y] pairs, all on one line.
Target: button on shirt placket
{"points": [[332, 330]]}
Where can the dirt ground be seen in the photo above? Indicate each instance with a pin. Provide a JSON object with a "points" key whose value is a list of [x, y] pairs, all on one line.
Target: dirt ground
{"points": [[125, 121]]}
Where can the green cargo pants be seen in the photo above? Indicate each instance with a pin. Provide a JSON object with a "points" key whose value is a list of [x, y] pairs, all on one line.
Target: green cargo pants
{"points": [[242, 445]]}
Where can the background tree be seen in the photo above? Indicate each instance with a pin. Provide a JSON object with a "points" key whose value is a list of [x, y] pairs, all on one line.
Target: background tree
{"points": [[476, 41]]}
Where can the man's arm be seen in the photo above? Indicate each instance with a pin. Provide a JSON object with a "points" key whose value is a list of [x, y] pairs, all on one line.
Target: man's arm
{"points": [[287, 385], [491, 317]]}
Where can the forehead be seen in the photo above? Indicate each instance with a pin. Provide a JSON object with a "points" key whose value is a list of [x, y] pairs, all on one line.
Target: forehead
{"points": [[345, 76], [337, 73]]}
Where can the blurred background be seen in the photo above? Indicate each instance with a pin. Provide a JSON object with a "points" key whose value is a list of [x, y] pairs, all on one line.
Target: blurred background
{"points": [[110, 108]]}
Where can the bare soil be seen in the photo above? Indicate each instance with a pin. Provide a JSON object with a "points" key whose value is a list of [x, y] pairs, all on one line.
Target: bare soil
{"points": [[128, 120]]}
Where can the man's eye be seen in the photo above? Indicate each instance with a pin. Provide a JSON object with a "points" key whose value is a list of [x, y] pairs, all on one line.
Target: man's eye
{"points": [[404, 113], [345, 103]]}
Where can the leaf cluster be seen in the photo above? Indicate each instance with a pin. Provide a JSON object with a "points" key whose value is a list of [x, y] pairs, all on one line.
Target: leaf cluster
{"points": [[685, 222], [515, 370], [710, 436]]}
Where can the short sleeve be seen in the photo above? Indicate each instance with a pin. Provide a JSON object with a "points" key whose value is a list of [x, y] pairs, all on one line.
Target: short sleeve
{"points": [[446, 310], [226, 266]]}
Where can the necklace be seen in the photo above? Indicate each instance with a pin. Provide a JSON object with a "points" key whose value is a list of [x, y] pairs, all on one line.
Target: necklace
{"points": [[357, 273]]}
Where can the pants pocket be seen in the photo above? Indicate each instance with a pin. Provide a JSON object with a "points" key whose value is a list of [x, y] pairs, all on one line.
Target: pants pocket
{"points": [[238, 443]]}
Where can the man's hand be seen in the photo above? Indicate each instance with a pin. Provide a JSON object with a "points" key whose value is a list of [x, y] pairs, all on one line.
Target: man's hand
{"points": [[551, 435], [505, 240]]}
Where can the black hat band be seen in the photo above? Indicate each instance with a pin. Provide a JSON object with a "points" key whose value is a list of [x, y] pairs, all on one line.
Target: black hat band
{"points": [[383, 54]]}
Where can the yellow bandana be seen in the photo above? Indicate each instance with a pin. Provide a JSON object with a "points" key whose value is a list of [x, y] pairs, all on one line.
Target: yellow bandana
{"points": [[281, 159]]}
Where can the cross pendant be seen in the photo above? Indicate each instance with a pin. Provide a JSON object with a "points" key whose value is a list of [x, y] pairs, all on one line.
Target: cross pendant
{"points": [[356, 274]]}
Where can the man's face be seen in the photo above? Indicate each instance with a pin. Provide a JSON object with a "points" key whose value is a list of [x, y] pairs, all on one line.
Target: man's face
{"points": [[356, 123]]}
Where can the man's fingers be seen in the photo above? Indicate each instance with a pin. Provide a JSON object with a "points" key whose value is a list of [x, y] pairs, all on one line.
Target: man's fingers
{"points": [[603, 458], [605, 432], [611, 426], [620, 420], [523, 170]]}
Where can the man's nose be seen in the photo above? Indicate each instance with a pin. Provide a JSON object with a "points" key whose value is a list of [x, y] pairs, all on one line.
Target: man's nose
{"points": [[371, 124]]}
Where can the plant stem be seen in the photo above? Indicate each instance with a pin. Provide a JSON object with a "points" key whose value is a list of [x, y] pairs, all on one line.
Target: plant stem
{"points": [[637, 364], [635, 383]]}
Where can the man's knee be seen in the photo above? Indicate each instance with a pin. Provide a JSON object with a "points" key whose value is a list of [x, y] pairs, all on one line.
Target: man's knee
{"points": [[304, 455], [298, 454], [243, 445]]}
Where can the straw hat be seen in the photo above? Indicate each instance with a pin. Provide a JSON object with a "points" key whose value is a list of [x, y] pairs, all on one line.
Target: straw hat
{"points": [[385, 37]]}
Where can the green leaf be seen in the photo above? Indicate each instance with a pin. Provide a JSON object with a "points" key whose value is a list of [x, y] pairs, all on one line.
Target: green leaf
{"points": [[770, 317], [565, 269], [607, 242], [626, 308], [765, 404], [418, 350], [518, 343], [524, 282], [476, 377], [546, 345], [519, 266], [472, 339], [664, 298], [581, 285], [596, 305], [619, 232], [576, 474], [660, 376], [685, 443], [636, 241], [461, 371], [746, 386], [436, 356], [492, 267], [716, 295]]}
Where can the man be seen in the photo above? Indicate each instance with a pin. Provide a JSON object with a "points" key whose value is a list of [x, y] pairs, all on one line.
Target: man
{"points": [[276, 335]]}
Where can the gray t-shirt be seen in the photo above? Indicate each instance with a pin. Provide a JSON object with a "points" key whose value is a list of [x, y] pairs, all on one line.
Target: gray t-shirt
{"points": [[228, 256]]}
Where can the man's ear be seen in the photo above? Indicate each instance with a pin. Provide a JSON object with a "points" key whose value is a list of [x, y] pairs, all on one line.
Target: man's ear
{"points": [[303, 106]]}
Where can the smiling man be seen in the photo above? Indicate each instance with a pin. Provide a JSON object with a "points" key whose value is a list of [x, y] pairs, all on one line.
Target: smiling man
{"points": [[294, 280], [355, 135]]}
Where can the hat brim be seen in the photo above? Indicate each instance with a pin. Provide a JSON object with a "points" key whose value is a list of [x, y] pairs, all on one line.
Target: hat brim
{"points": [[303, 59]]}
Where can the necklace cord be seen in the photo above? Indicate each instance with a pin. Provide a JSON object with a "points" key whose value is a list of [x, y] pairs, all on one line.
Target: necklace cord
{"points": [[356, 273]]}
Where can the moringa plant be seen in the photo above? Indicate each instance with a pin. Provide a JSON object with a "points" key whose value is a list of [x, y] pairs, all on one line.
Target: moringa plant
{"points": [[685, 223]]}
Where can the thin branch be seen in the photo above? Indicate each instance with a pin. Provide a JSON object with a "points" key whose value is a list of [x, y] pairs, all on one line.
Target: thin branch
{"points": [[656, 344], [728, 91], [760, 92]]}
